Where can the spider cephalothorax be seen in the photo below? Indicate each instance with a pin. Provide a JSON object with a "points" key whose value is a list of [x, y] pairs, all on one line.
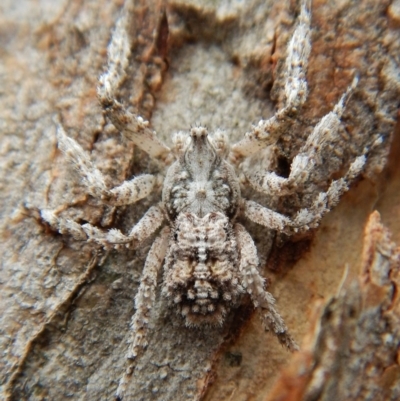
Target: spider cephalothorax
{"points": [[200, 181], [208, 258]]}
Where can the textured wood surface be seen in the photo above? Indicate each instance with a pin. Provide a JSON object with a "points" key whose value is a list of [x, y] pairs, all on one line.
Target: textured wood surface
{"points": [[65, 306]]}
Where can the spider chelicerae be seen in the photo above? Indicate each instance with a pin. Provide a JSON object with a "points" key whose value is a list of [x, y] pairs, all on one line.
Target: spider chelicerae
{"points": [[208, 258]]}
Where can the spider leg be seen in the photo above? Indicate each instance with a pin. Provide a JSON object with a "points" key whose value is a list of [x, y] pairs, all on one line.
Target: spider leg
{"points": [[326, 131], [144, 302], [266, 132], [125, 194], [146, 226], [62, 225], [254, 284], [133, 127], [308, 217]]}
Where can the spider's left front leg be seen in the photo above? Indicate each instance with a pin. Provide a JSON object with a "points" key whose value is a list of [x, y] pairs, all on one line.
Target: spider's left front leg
{"points": [[254, 285], [144, 302], [131, 126]]}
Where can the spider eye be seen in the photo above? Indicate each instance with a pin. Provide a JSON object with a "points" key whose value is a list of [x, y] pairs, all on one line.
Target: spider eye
{"points": [[213, 216]]}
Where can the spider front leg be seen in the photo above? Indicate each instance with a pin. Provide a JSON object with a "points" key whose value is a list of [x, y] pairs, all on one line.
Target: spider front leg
{"points": [[326, 131], [133, 127], [254, 284], [144, 302], [268, 131]]}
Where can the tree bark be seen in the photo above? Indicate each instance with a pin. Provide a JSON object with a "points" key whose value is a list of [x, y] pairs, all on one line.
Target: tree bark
{"points": [[66, 305], [351, 352]]}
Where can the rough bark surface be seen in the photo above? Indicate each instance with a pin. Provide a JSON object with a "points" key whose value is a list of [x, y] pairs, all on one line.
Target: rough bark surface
{"points": [[352, 350], [66, 306]]}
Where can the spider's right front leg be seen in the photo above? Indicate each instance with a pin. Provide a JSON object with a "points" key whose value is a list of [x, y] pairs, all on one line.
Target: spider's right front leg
{"points": [[266, 132]]}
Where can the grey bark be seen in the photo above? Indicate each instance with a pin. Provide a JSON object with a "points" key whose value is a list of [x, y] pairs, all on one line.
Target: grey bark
{"points": [[66, 306]]}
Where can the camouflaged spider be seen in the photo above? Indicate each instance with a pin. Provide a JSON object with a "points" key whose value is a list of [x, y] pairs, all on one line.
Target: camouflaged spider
{"points": [[209, 259]]}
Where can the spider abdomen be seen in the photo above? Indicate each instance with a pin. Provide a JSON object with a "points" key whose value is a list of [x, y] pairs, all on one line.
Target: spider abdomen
{"points": [[201, 277]]}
